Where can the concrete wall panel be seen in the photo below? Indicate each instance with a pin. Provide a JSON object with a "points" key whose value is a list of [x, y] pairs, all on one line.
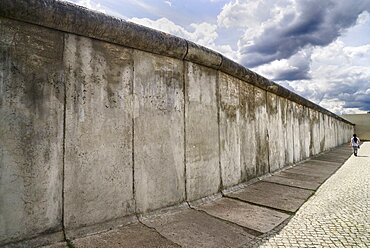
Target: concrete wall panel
{"points": [[262, 139], [202, 154], [297, 112], [31, 131], [275, 132], [282, 107], [229, 130], [289, 137], [247, 131], [306, 135], [159, 131], [314, 131], [98, 162]]}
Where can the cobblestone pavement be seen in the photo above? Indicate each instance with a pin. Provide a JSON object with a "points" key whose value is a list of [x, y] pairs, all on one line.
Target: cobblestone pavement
{"points": [[338, 215]]}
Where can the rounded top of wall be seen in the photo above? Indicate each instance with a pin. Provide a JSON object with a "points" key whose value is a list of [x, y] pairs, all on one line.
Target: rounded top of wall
{"points": [[78, 20]]}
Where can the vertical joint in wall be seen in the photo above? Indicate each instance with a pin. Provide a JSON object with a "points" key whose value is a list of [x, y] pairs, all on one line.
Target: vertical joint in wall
{"points": [[184, 117], [218, 101], [64, 142]]}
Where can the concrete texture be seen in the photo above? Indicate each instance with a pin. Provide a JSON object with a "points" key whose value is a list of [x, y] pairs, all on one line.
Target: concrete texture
{"points": [[31, 131], [304, 181], [262, 135], [276, 135], [201, 120], [247, 132], [253, 217], [231, 169], [362, 122], [131, 236], [191, 228], [98, 166], [159, 132], [221, 222], [102, 119], [75, 19], [273, 195]]}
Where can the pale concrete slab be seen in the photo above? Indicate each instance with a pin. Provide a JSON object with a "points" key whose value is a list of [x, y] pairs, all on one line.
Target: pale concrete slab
{"points": [[191, 228], [98, 165], [322, 173], [132, 236], [201, 120], [56, 245], [338, 158], [274, 195], [159, 132], [262, 141], [248, 143], [31, 131], [244, 214], [231, 170], [296, 180]]}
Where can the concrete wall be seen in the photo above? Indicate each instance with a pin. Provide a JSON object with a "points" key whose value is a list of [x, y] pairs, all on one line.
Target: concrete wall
{"points": [[101, 120], [362, 122]]}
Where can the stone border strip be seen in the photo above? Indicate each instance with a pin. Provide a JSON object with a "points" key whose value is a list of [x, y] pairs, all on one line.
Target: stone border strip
{"points": [[78, 20]]}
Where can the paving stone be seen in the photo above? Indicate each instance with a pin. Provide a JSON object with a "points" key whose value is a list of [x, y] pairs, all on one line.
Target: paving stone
{"points": [[254, 217], [131, 236], [296, 180], [332, 158], [337, 215], [320, 172], [274, 195], [191, 228], [56, 245]]}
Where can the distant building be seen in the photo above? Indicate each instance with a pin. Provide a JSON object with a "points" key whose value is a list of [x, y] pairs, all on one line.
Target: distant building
{"points": [[362, 122]]}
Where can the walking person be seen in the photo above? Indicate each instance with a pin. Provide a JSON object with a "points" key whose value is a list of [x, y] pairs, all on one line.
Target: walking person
{"points": [[355, 143]]}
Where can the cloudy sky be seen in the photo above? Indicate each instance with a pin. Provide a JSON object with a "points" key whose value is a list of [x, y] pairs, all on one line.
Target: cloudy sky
{"points": [[319, 49]]}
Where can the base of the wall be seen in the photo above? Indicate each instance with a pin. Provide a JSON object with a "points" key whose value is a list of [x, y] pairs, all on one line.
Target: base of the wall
{"points": [[100, 227], [44, 239]]}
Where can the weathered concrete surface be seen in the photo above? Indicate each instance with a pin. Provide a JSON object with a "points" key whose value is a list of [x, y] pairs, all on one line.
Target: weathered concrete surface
{"points": [[159, 132], [305, 181], [289, 129], [31, 131], [337, 158], [191, 228], [247, 132], [98, 165], [56, 245], [229, 130], [244, 214], [317, 171], [202, 154], [131, 236], [262, 135], [273, 195], [297, 133], [79, 20], [142, 131], [224, 222], [276, 135]]}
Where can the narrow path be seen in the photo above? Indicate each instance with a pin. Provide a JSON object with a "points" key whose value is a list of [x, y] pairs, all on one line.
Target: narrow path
{"points": [[337, 215]]}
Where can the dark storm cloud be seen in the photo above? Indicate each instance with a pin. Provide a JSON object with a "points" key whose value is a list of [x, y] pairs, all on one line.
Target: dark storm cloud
{"points": [[352, 90], [358, 100], [299, 68], [316, 23]]}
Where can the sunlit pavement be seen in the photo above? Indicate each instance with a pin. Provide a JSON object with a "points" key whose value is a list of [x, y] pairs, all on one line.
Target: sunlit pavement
{"points": [[337, 215]]}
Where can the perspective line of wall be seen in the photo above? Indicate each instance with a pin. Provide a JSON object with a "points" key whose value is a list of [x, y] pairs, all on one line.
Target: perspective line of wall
{"points": [[101, 120]]}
